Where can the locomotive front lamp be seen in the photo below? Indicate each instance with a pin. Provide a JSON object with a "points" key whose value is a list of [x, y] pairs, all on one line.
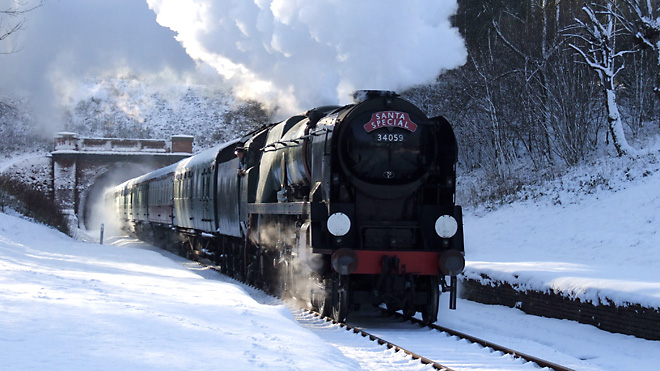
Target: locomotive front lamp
{"points": [[446, 226], [344, 261], [451, 262], [339, 224]]}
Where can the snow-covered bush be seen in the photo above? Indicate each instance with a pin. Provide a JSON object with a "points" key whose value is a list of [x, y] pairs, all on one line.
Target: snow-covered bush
{"points": [[31, 202]]}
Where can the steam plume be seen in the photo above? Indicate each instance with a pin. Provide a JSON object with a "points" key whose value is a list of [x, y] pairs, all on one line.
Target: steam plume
{"points": [[64, 43], [304, 53]]}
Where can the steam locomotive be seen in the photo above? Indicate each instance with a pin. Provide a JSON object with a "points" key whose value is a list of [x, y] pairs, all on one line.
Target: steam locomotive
{"points": [[342, 206]]}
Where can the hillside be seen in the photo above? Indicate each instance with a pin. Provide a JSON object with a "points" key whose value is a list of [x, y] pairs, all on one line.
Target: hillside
{"points": [[593, 237], [129, 107]]}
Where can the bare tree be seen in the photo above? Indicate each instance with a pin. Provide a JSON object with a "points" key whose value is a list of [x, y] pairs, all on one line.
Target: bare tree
{"points": [[599, 50], [541, 43], [642, 20], [246, 116], [11, 20], [576, 111], [638, 101], [492, 87]]}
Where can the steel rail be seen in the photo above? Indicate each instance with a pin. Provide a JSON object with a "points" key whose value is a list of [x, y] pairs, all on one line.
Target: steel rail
{"points": [[381, 341], [540, 362]]}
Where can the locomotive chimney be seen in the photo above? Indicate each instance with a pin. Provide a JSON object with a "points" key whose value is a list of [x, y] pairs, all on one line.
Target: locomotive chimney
{"points": [[362, 95]]}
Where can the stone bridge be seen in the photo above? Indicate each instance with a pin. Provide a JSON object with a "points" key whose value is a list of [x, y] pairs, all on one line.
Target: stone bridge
{"points": [[84, 167]]}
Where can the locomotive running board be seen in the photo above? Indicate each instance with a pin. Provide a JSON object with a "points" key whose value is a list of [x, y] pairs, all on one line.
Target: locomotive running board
{"points": [[284, 208]]}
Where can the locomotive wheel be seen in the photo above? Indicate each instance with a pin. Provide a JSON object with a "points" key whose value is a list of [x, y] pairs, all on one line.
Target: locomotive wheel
{"points": [[313, 302], [198, 250], [391, 308], [409, 309], [324, 299], [339, 298], [325, 304], [340, 307], [185, 249], [220, 256], [430, 309], [316, 294], [286, 280]]}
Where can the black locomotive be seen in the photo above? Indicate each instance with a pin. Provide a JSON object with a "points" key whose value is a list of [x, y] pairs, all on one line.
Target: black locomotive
{"points": [[340, 206]]}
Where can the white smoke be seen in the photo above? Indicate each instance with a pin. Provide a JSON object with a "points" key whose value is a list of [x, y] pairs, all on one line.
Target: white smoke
{"points": [[303, 53], [296, 53], [62, 44]]}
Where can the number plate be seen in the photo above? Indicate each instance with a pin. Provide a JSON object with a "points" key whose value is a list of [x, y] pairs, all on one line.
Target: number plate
{"points": [[389, 137]]}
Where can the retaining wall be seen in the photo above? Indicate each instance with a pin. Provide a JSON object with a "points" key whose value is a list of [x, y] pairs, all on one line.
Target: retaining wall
{"points": [[633, 319]]}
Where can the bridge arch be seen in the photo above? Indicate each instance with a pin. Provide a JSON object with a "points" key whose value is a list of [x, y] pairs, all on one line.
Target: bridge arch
{"points": [[84, 167]]}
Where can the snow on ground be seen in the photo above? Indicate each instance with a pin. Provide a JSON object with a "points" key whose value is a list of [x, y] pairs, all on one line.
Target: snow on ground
{"points": [[68, 305], [567, 343], [599, 247], [71, 305]]}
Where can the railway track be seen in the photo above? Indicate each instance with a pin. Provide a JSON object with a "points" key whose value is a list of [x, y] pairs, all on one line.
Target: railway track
{"points": [[415, 325], [486, 344], [381, 341], [460, 343]]}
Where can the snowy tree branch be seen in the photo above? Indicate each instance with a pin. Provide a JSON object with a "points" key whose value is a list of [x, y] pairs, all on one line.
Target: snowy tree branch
{"points": [[6, 28], [599, 52]]}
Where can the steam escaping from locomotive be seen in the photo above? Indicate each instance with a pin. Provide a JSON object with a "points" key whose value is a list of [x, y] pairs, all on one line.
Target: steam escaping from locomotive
{"points": [[316, 51]]}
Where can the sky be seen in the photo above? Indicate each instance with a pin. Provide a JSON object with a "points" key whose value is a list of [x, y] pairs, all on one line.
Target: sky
{"points": [[291, 54]]}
